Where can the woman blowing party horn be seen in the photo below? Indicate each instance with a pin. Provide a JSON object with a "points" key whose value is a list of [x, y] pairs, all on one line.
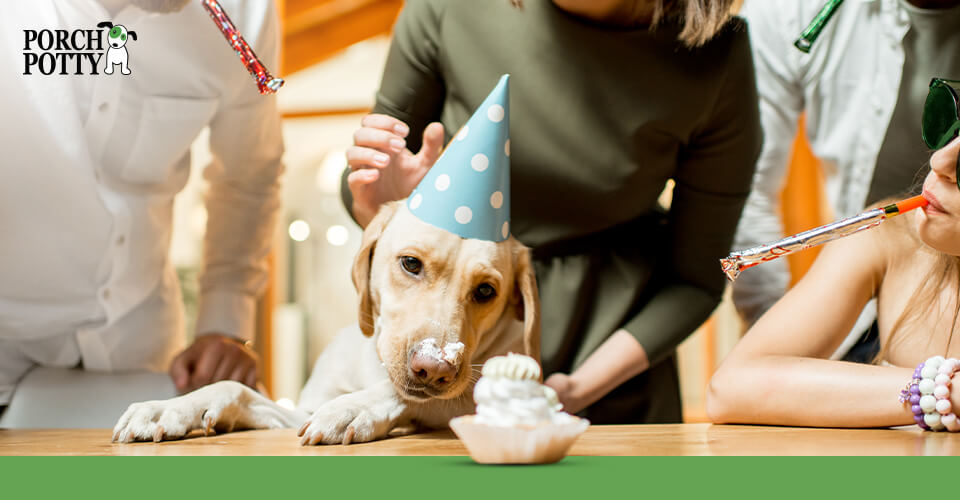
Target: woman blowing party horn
{"points": [[779, 373]]}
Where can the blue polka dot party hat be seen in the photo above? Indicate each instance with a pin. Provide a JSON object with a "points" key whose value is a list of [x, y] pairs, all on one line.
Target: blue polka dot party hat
{"points": [[467, 191]]}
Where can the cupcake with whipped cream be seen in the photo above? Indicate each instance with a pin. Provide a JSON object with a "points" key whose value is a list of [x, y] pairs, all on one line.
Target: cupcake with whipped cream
{"points": [[518, 420]]}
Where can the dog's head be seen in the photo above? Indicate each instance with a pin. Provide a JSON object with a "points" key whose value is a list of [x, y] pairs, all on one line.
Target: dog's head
{"points": [[117, 37], [425, 291]]}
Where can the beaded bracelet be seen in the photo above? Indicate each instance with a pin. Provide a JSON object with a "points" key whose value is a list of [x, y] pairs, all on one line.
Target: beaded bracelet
{"points": [[912, 394], [929, 394]]}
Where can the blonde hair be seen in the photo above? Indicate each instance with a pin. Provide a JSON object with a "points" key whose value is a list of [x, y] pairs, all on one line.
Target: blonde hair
{"points": [[701, 19], [927, 298]]}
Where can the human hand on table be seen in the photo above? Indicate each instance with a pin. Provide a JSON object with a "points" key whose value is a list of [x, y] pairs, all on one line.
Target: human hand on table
{"points": [[617, 360], [214, 357], [382, 168], [566, 388]]}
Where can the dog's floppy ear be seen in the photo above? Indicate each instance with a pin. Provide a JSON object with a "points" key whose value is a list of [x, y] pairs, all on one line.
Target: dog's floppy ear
{"points": [[105, 24], [133, 34], [361, 264], [527, 300]]}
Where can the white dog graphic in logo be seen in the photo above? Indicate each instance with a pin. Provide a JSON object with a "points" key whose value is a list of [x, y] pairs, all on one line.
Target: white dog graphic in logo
{"points": [[117, 53]]}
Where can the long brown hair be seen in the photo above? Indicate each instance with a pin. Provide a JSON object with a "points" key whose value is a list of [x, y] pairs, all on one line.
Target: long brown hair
{"points": [[701, 19], [927, 298]]}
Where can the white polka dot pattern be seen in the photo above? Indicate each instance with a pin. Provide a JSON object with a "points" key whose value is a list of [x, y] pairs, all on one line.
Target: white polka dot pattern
{"points": [[463, 215], [467, 190], [496, 199], [495, 113], [479, 162]]}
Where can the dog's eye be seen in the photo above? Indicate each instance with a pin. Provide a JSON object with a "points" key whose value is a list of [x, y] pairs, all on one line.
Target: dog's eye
{"points": [[411, 265], [484, 293]]}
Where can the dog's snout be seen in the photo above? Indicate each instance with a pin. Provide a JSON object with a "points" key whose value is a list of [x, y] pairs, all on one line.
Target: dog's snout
{"points": [[432, 371]]}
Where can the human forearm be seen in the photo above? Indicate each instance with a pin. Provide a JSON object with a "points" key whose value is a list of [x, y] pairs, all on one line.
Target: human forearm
{"points": [[226, 312], [670, 316], [778, 372], [242, 203], [789, 390], [617, 360], [235, 263]]}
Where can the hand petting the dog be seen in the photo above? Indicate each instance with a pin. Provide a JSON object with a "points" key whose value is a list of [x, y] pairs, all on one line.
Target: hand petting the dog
{"points": [[382, 168], [212, 358]]}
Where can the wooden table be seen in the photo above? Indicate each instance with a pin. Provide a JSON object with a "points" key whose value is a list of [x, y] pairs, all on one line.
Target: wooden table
{"points": [[679, 439]]}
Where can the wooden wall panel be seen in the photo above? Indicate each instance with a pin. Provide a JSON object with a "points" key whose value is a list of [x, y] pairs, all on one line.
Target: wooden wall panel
{"points": [[316, 30]]}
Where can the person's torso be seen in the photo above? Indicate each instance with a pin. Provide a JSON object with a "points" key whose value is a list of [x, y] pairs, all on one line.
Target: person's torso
{"points": [[91, 162], [931, 49], [851, 84], [599, 117]]}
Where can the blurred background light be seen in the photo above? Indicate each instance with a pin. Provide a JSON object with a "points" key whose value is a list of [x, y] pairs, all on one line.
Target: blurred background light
{"points": [[299, 230], [337, 235]]}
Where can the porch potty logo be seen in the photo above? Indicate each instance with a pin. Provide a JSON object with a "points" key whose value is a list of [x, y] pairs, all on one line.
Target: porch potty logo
{"points": [[77, 52]]}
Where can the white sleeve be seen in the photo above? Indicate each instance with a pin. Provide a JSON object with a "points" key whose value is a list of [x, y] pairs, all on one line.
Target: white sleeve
{"points": [[244, 193], [773, 26]]}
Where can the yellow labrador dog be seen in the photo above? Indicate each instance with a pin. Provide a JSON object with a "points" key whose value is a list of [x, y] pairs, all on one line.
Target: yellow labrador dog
{"points": [[433, 307]]}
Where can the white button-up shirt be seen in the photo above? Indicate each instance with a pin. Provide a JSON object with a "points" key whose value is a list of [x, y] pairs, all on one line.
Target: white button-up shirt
{"points": [[89, 166], [847, 85]]}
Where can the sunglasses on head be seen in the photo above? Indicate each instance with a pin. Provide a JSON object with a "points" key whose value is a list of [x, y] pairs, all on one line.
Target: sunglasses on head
{"points": [[941, 115]]}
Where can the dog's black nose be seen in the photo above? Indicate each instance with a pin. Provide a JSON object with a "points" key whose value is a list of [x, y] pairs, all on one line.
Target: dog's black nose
{"points": [[432, 371]]}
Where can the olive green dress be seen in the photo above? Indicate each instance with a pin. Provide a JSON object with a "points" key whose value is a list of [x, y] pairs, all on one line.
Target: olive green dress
{"points": [[600, 119]]}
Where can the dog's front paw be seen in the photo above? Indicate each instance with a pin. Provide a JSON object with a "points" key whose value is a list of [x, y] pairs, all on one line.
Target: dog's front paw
{"points": [[209, 408], [343, 421], [155, 420]]}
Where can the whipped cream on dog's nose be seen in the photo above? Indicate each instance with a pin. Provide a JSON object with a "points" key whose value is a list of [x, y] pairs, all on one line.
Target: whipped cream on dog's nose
{"points": [[450, 353], [508, 394]]}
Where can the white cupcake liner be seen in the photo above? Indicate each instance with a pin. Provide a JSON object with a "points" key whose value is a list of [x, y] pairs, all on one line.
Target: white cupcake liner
{"points": [[541, 444]]}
